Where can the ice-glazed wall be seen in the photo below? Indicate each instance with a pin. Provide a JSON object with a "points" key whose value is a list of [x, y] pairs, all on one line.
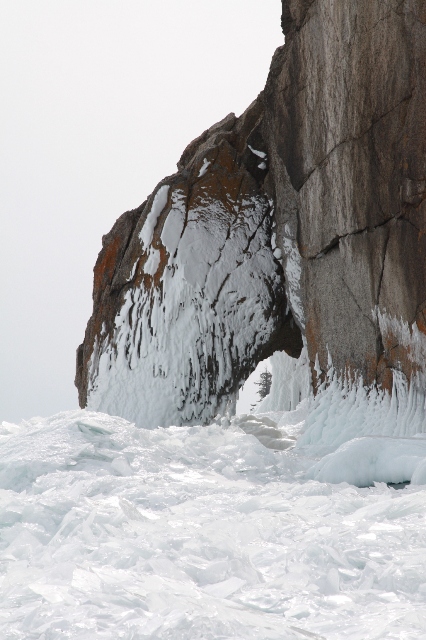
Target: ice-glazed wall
{"points": [[196, 297]]}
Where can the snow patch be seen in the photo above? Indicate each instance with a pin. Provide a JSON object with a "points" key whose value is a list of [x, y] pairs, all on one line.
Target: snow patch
{"points": [[260, 154], [133, 271], [158, 204], [205, 166], [153, 262]]}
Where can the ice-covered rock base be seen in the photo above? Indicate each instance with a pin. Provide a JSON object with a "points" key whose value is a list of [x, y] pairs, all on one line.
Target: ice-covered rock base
{"points": [[113, 531], [189, 289]]}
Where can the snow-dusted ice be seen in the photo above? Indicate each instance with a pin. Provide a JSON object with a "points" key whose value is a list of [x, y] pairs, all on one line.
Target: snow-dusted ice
{"points": [[110, 530], [177, 345]]}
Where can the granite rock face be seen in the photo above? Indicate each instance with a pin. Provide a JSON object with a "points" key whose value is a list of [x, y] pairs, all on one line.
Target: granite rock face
{"points": [[305, 217], [189, 288], [345, 128]]}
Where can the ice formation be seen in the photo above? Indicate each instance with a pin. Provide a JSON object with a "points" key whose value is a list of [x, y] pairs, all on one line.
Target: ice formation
{"points": [[364, 461], [180, 339], [291, 382], [343, 410], [293, 273], [362, 434], [113, 531], [189, 288], [271, 525], [401, 333]]}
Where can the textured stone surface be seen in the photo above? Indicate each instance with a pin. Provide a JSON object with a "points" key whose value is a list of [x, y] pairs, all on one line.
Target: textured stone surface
{"points": [[345, 115], [336, 146], [188, 295]]}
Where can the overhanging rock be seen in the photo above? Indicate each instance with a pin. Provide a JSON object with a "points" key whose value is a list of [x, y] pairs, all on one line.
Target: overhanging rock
{"points": [[188, 289]]}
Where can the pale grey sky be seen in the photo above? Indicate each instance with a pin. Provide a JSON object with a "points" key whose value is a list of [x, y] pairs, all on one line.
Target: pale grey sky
{"points": [[99, 99]]}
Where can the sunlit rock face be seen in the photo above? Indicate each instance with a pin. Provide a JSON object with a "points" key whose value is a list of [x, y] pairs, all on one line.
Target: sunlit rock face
{"points": [[345, 128], [188, 289]]}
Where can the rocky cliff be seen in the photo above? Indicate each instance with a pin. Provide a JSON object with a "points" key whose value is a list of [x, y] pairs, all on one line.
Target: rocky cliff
{"points": [[345, 130], [189, 288], [303, 217]]}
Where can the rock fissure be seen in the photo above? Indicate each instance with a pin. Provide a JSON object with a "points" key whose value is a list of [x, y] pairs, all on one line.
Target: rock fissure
{"points": [[383, 18], [335, 242], [410, 222], [382, 272], [351, 293], [354, 138], [216, 300], [253, 235]]}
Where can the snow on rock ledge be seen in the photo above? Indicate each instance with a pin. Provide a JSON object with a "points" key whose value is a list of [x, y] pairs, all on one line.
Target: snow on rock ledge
{"points": [[188, 295]]}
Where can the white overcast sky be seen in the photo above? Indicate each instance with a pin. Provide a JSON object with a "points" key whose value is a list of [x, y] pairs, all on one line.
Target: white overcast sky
{"points": [[98, 100]]}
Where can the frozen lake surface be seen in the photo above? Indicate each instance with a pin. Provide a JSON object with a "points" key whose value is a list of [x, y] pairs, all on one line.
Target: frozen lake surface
{"points": [[112, 531]]}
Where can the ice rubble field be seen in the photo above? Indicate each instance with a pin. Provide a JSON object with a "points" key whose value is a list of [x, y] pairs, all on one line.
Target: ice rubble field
{"points": [[113, 531]]}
